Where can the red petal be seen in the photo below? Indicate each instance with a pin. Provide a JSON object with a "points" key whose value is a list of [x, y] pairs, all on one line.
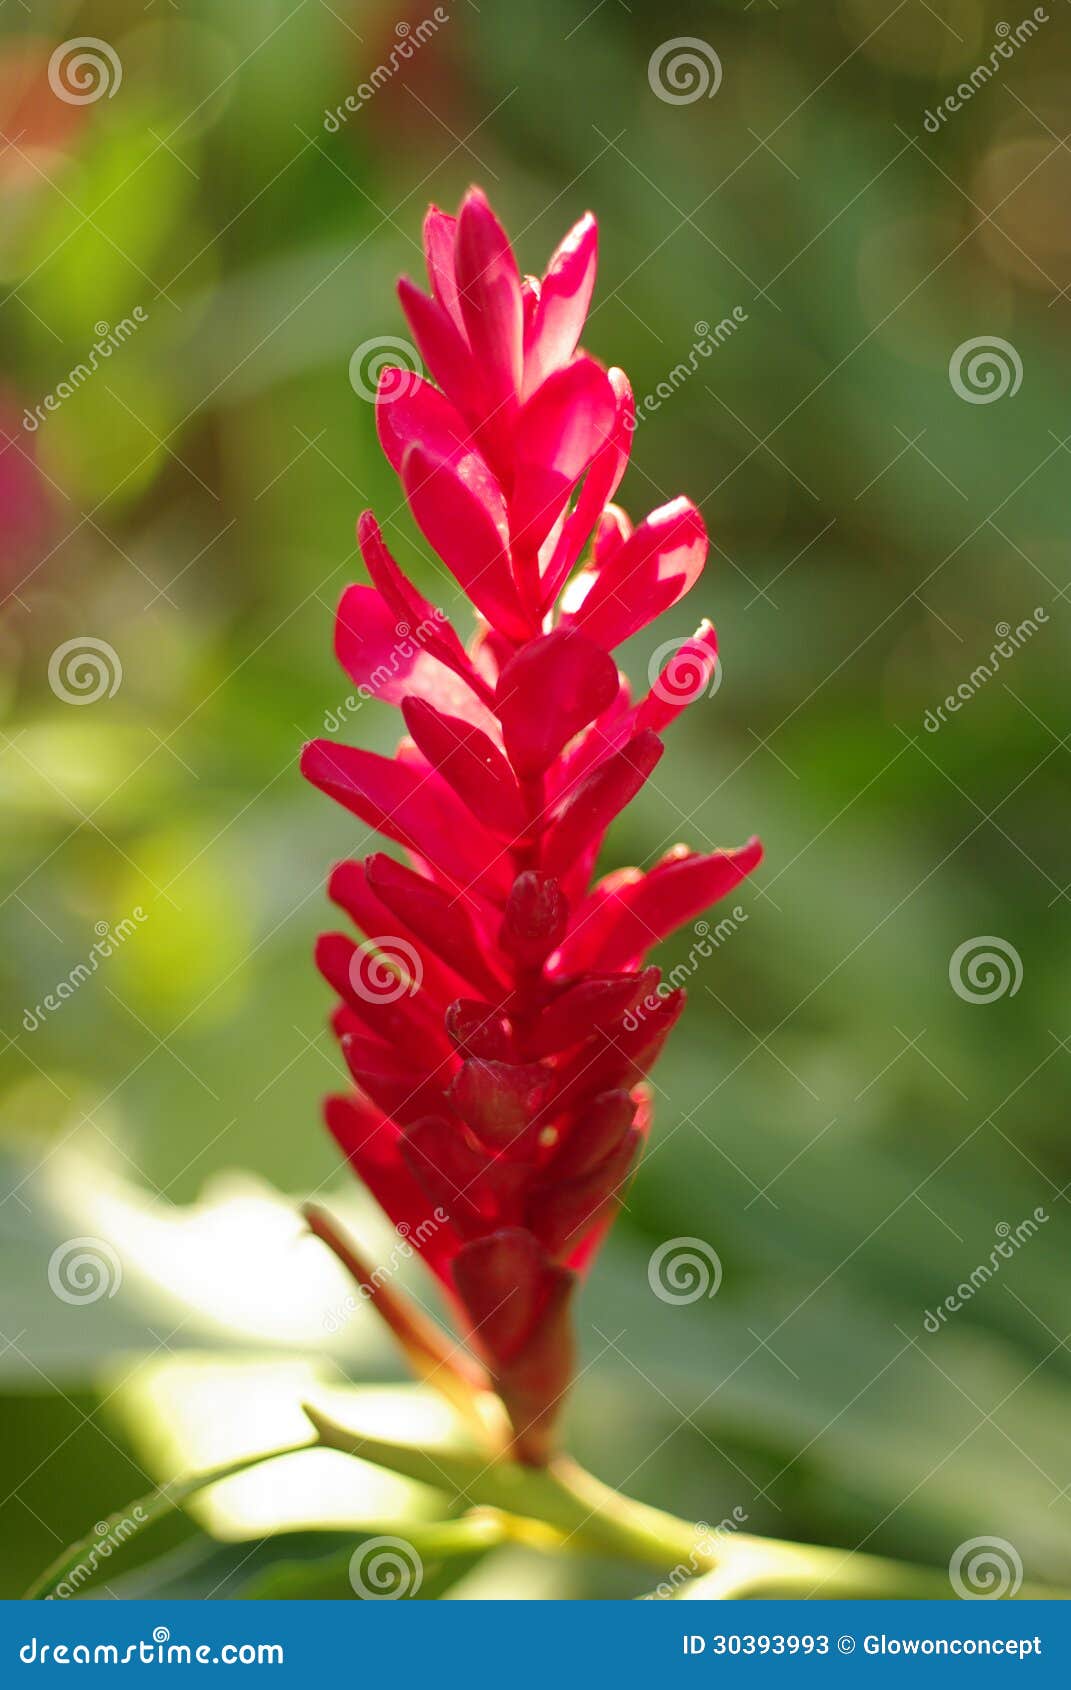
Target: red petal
{"points": [[416, 615], [389, 1080], [626, 1057], [596, 1000], [477, 1029], [409, 409], [440, 234], [529, 301], [461, 513], [535, 918], [597, 799], [560, 430], [489, 292], [553, 687], [371, 1143], [561, 1214], [382, 988], [499, 1100], [408, 805], [436, 917], [655, 567], [685, 677], [451, 1171], [600, 485], [472, 764], [349, 888], [517, 1301], [384, 656], [616, 928], [611, 532], [444, 349], [598, 1130], [582, 1257], [533, 1386], [504, 1281], [564, 296], [379, 790]]}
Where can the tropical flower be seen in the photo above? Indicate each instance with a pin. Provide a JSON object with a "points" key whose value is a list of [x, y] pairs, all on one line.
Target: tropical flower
{"points": [[499, 1018]]}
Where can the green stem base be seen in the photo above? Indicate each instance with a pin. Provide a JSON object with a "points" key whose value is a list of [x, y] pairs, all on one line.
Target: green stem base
{"points": [[560, 1507]]}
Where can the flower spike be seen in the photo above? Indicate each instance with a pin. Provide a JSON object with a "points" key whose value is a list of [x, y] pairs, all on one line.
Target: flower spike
{"points": [[498, 1019]]}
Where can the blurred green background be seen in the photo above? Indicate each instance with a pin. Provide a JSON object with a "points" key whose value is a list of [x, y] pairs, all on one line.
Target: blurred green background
{"points": [[844, 1128]]}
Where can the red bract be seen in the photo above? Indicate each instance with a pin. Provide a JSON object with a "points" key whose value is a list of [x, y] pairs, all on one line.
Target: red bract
{"points": [[499, 1020]]}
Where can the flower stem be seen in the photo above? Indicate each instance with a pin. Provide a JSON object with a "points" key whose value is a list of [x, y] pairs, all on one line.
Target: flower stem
{"points": [[623, 1526], [558, 1507], [589, 1515]]}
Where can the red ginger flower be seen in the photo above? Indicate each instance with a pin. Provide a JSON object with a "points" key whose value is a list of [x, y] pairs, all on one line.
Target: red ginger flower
{"points": [[499, 1106]]}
